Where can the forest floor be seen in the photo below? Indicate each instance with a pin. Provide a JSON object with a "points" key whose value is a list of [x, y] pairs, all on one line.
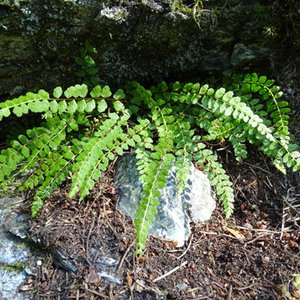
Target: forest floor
{"points": [[253, 255]]}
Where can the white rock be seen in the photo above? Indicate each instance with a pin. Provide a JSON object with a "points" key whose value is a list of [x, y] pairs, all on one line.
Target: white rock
{"points": [[175, 212]]}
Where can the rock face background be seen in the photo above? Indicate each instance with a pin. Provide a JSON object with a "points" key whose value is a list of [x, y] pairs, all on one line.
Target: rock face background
{"points": [[145, 40]]}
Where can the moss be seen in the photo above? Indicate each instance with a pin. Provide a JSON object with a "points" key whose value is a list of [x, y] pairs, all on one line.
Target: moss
{"points": [[16, 267], [195, 9]]}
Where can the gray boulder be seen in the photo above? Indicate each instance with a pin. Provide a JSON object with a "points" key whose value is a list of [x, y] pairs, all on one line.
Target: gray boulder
{"points": [[175, 212]]}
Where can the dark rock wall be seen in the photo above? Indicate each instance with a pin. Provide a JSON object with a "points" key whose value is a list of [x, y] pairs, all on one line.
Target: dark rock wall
{"points": [[145, 40]]}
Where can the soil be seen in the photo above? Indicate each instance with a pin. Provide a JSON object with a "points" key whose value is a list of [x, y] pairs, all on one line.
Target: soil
{"points": [[253, 255]]}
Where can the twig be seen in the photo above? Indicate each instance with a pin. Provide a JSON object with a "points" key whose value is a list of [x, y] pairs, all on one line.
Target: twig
{"points": [[259, 168], [282, 223], [255, 239], [219, 234], [87, 242], [170, 272], [97, 294], [258, 230], [229, 296], [123, 258], [111, 296], [187, 249]]}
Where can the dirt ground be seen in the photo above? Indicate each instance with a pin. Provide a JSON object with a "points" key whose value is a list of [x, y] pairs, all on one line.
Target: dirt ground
{"points": [[252, 255]]}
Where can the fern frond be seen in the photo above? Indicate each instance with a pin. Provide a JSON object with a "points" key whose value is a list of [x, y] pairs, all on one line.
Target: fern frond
{"points": [[154, 172], [238, 141], [109, 140], [184, 145], [52, 179], [283, 154], [217, 175], [34, 102], [94, 153], [254, 87], [30, 148]]}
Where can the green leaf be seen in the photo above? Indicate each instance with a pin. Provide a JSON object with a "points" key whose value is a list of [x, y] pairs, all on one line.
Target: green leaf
{"points": [[119, 151], [96, 91], [23, 139], [81, 105], [43, 94], [176, 86], [210, 92], [82, 90], [72, 106], [18, 111], [118, 106], [25, 151], [53, 106], [90, 106], [203, 89], [220, 93], [246, 88], [187, 87], [62, 106], [228, 96], [255, 87], [57, 92], [106, 93], [119, 94], [68, 92], [5, 112], [262, 79], [102, 106]]}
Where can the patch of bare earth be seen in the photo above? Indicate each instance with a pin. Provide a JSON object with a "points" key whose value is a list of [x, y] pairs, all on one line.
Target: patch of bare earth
{"points": [[249, 256]]}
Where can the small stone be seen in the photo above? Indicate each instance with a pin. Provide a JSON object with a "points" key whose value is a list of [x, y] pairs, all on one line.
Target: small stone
{"points": [[109, 277], [175, 212], [181, 286], [39, 263]]}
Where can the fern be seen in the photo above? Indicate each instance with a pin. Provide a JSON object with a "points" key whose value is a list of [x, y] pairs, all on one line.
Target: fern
{"points": [[86, 127]]}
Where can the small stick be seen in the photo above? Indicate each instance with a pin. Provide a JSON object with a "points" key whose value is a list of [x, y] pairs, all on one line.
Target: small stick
{"points": [[123, 258], [96, 293], [170, 272], [87, 242], [187, 249], [257, 167], [258, 230], [255, 239], [219, 234]]}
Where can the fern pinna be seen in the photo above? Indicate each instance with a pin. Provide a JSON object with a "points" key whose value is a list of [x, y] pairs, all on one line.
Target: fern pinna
{"points": [[84, 130]]}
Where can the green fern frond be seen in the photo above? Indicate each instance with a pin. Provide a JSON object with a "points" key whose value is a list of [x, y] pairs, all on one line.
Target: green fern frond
{"points": [[238, 141], [29, 149], [34, 102], [184, 144], [53, 178], [154, 172], [259, 87], [217, 175], [95, 157]]}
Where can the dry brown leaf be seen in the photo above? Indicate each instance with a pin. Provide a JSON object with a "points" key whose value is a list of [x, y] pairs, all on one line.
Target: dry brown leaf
{"points": [[235, 233]]}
